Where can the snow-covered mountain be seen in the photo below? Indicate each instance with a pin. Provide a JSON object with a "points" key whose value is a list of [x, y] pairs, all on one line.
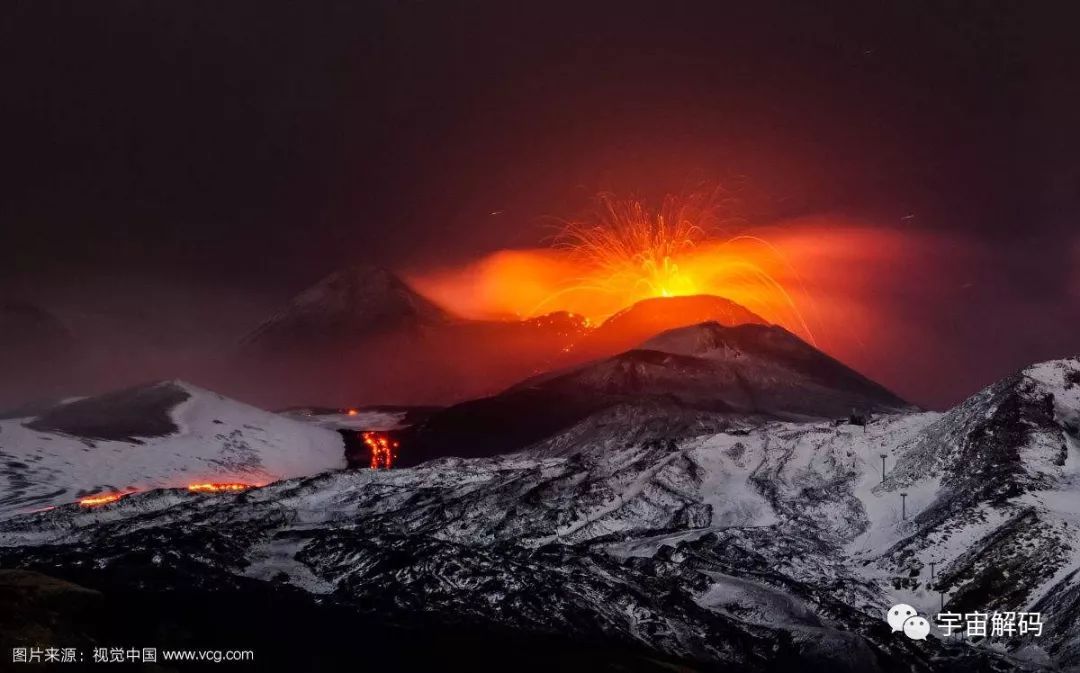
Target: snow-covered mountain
{"points": [[745, 371], [753, 544], [166, 434]]}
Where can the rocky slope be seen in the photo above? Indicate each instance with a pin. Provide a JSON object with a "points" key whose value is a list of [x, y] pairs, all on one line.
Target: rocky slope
{"points": [[703, 371], [752, 545], [165, 434]]}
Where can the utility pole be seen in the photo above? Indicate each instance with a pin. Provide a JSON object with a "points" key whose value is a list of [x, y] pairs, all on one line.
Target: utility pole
{"points": [[933, 581], [903, 505], [883, 457]]}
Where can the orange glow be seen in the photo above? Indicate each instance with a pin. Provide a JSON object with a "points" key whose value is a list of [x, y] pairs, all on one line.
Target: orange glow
{"points": [[352, 412], [382, 447], [102, 499], [624, 252], [212, 487]]}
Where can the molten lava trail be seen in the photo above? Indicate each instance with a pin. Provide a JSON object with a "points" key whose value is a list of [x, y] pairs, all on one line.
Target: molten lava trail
{"points": [[383, 449]]}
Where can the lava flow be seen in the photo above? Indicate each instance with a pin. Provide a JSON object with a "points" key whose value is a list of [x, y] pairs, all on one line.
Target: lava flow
{"points": [[383, 449], [214, 487], [101, 499]]}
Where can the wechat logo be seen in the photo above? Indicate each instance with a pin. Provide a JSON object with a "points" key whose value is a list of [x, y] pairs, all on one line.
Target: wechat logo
{"points": [[903, 617]]}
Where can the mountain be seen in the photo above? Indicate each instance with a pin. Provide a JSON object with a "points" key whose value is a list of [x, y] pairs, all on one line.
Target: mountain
{"points": [[363, 336], [715, 371], [749, 369], [166, 434], [634, 324], [343, 309], [763, 545]]}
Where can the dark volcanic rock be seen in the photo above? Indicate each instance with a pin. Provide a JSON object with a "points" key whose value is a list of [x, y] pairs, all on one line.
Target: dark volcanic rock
{"points": [[124, 415], [41, 611]]}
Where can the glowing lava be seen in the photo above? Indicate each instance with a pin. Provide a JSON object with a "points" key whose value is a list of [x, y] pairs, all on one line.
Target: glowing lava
{"points": [[624, 251], [101, 499], [212, 487], [631, 251], [382, 447]]}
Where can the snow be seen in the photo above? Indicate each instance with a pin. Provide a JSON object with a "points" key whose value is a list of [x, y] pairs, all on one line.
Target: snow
{"points": [[802, 518], [270, 559], [755, 602], [219, 439]]}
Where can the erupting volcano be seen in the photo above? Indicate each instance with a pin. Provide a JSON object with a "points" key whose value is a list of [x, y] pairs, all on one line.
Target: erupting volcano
{"points": [[624, 251]]}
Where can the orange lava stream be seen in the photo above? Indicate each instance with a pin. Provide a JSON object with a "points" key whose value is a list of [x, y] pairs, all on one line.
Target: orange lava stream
{"points": [[101, 499], [383, 449], [212, 487]]}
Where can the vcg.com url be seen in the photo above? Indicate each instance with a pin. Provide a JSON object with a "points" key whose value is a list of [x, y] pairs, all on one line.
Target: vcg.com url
{"points": [[208, 656]]}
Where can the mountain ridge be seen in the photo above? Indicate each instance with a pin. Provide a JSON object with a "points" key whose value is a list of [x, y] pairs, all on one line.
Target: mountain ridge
{"points": [[753, 546]]}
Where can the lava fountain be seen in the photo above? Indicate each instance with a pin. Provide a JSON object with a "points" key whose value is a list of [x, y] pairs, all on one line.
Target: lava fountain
{"points": [[623, 251]]}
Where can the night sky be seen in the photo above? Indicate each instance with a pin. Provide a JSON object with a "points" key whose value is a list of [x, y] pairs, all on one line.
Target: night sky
{"points": [[184, 167]]}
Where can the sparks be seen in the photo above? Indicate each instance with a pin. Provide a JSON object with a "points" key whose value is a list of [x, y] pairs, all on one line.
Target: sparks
{"points": [[624, 251], [382, 447], [627, 252], [630, 250]]}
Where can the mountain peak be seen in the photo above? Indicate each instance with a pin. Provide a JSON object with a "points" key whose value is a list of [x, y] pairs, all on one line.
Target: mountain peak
{"points": [[350, 303], [749, 368], [636, 323], [706, 337]]}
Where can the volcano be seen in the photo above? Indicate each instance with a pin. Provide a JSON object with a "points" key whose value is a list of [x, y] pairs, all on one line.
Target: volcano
{"points": [[706, 371], [749, 369], [364, 336], [343, 309], [648, 317]]}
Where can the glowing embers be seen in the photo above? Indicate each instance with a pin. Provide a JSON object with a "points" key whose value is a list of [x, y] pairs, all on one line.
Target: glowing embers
{"points": [[219, 487], [100, 499], [624, 251], [383, 449]]}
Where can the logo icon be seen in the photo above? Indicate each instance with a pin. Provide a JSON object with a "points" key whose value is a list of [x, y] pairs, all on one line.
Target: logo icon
{"points": [[916, 628], [903, 617], [898, 614]]}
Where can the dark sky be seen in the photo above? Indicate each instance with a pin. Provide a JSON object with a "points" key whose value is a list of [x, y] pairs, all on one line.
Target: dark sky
{"points": [[219, 155]]}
